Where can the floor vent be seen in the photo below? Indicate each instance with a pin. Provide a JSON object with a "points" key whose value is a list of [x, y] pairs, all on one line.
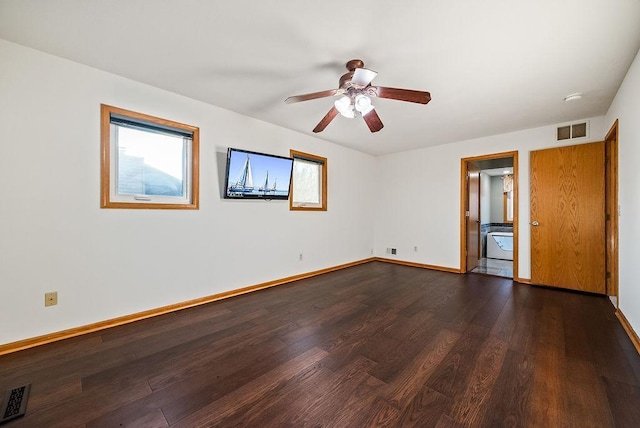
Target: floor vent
{"points": [[14, 403]]}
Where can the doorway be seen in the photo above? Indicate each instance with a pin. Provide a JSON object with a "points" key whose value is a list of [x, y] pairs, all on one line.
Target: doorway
{"points": [[611, 209], [489, 214]]}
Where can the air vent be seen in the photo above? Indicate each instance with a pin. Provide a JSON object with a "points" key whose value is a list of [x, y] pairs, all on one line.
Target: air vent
{"points": [[14, 403], [573, 131]]}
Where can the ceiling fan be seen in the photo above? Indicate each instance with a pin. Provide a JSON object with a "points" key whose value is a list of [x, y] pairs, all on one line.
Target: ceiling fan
{"points": [[356, 90]]}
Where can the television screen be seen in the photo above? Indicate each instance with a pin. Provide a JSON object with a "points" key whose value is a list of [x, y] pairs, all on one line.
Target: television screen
{"points": [[252, 175]]}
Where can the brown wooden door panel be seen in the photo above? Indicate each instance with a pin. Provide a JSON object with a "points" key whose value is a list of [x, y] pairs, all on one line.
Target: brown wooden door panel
{"points": [[567, 202]]}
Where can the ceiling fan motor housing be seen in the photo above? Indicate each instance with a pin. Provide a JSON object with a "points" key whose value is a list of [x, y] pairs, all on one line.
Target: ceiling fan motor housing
{"points": [[345, 80], [354, 63]]}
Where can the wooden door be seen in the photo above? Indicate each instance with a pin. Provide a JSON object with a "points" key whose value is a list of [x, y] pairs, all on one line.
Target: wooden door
{"points": [[473, 216], [568, 217]]}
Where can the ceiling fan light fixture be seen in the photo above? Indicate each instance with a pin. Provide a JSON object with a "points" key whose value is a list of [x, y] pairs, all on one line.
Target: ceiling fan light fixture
{"points": [[367, 111], [343, 105], [363, 104]]}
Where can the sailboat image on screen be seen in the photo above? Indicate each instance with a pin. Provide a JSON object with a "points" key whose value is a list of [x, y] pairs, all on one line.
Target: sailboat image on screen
{"points": [[245, 181], [271, 172], [266, 188]]}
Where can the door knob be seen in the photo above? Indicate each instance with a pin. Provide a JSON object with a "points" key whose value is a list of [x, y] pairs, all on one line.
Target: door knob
{"points": [[535, 223]]}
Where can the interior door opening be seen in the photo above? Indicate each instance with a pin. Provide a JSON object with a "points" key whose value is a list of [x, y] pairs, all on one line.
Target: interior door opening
{"points": [[612, 212], [489, 214]]}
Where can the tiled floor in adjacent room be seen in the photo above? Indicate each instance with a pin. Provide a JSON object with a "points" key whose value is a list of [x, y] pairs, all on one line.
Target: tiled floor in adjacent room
{"points": [[495, 267]]}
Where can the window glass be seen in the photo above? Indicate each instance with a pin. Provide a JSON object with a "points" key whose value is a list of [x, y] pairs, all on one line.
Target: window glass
{"points": [[508, 207], [309, 182], [307, 186], [149, 163]]}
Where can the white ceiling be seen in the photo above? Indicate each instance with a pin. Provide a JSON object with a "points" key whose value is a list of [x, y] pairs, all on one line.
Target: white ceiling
{"points": [[491, 66]]}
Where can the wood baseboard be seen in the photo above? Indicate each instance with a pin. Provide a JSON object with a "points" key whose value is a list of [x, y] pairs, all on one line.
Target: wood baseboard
{"points": [[630, 331], [440, 268], [420, 265], [102, 325]]}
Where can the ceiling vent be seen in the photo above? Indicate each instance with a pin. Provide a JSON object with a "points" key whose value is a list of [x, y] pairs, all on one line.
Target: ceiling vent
{"points": [[573, 131]]}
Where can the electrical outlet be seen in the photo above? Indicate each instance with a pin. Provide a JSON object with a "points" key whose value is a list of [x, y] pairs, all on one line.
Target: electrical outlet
{"points": [[300, 257], [415, 249], [51, 298]]}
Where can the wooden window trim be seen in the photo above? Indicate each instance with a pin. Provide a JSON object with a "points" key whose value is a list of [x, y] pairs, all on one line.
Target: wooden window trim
{"points": [[105, 160], [313, 158]]}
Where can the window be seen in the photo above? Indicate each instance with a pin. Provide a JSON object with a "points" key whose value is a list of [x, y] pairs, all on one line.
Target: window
{"points": [[507, 212], [309, 182], [147, 162], [507, 189]]}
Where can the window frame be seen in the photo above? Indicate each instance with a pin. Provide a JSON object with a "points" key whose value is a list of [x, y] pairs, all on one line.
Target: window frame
{"points": [[106, 157], [323, 181]]}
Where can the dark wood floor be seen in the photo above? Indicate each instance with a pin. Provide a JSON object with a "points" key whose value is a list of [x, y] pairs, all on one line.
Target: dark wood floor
{"points": [[373, 345]]}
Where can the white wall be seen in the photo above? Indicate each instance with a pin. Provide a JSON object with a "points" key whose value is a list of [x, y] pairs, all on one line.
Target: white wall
{"points": [[418, 203], [497, 200], [106, 263], [626, 108]]}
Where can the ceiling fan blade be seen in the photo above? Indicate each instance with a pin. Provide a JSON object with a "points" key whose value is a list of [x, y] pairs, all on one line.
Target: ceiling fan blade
{"points": [[326, 120], [420, 97], [311, 96], [373, 121], [363, 76]]}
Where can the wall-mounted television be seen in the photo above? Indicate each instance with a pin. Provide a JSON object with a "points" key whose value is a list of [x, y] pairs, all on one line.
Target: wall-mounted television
{"points": [[252, 175]]}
